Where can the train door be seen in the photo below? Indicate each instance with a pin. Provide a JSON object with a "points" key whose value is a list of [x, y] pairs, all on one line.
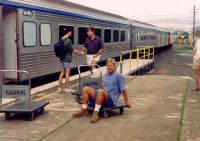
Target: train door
{"points": [[9, 18], [1, 45]]}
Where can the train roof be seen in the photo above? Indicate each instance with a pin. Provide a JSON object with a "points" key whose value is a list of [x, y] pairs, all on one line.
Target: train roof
{"points": [[147, 25], [59, 6], [66, 6]]}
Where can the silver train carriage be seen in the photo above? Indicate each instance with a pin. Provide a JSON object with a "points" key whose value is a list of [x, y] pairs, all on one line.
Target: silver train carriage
{"points": [[30, 28]]}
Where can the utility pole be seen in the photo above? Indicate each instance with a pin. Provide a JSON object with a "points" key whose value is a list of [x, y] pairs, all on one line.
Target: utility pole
{"points": [[194, 26]]}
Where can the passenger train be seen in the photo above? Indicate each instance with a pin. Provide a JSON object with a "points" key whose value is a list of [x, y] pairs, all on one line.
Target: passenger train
{"points": [[30, 28]]}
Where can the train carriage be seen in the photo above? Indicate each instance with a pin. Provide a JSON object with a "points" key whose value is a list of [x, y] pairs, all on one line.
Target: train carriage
{"points": [[30, 28]]}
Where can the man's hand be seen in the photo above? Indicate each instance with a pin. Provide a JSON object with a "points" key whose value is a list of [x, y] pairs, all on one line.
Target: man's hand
{"points": [[64, 37], [129, 105], [95, 56], [82, 52]]}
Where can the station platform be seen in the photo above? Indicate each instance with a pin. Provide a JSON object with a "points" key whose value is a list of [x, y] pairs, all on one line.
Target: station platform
{"points": [[157, 114], [128, 67]]}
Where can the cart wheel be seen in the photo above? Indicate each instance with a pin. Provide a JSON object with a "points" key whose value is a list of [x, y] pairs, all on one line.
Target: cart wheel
{"points": [[121, 110], [42, 110], [7, 116], [80, 100], [31, 116], [105, 114]]}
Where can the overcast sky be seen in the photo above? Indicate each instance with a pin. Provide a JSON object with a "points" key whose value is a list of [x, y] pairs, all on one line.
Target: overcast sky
{"points": [[175, 14]]}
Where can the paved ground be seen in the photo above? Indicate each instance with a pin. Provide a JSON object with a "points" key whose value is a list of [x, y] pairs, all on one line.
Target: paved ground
{"points": [[164, 109], [176, 61]]}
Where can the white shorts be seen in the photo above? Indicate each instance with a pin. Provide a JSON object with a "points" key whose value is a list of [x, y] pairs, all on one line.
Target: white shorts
{"points": [[90, 58], [196, 64]]}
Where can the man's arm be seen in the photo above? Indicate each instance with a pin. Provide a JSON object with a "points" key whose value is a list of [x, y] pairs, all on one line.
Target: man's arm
{"points": [[78, 52], [98, 53], [101, 49], [83, 49], [125, 94]]}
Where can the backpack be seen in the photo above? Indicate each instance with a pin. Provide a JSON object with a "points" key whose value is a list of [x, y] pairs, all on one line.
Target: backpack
{"points": [[59, 49]]}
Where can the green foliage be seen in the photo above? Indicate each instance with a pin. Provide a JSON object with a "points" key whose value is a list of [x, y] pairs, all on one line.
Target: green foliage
{"points": [[181, 35]]}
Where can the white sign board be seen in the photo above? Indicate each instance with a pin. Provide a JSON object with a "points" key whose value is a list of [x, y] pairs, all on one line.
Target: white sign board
{"points": [[91, 82], [15, 91]]}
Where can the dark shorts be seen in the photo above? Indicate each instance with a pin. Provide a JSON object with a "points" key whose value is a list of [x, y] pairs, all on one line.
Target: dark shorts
{"points": [[108, 104]]}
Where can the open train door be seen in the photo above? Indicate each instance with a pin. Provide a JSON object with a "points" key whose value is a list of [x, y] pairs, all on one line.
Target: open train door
{"points": [[9, 34]]}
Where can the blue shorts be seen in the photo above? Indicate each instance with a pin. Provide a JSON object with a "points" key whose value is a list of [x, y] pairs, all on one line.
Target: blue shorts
{"points": [[108, 104], [66, 65]]}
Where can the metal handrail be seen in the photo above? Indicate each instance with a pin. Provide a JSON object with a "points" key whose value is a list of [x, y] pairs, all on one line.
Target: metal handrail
{"points": [[145, 51]]}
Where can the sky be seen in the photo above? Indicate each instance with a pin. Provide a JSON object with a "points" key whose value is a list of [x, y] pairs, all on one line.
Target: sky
{"points": [[170, 14]]}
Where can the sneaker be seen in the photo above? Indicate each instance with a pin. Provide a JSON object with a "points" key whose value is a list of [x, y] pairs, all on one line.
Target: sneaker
{"points": [[81, 113], [60, 90], [70, 91], [95, 117]]}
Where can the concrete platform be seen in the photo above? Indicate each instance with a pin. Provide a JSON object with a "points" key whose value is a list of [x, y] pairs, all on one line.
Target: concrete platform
{"points": [[191, 118], [157, 104], [126, 70]]}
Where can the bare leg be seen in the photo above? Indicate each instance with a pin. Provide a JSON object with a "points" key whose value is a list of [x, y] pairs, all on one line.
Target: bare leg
{"points": [[102, 97], [67, 74], [87, 93], [197, 78], [93, 63], [62, 73]]}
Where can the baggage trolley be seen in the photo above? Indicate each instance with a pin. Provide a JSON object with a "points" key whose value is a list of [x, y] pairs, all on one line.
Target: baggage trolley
{"points": [[21, 96], [96, 83]]}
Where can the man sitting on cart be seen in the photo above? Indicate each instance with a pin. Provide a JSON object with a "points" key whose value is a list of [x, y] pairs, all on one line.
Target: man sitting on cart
{"points": [[114, 86]]}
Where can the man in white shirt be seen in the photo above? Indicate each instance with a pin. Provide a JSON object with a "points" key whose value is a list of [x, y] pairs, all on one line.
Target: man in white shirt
{"points": [[196, 63]]}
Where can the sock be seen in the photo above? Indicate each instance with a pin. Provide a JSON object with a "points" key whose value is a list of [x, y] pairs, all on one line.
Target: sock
{"points": [[97, 107], [84, 106], [94, 70]]}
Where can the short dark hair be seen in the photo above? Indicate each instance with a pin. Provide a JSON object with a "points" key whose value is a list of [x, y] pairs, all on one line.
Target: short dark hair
{"points": [[92, 29], [66, 30]]}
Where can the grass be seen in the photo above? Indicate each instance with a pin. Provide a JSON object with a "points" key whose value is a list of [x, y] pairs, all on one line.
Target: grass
{"points": [[179, 131]]}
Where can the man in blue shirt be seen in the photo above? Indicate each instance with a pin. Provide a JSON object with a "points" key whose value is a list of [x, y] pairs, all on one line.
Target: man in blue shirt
{"points": [[114, 86]]}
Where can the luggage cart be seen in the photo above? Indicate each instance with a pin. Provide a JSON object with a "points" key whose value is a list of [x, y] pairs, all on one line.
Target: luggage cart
{"points": [[96, 83], [21, 97]]}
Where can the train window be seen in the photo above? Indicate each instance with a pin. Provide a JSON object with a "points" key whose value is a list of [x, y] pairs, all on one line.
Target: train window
{"points": [[128, 35], [62, 30], [107, 36], [45, 34], [98, 32], [28, 13], [141, 36], [29, 34], [123, 35], [138, 36], [82, 35], [116, 36]]}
